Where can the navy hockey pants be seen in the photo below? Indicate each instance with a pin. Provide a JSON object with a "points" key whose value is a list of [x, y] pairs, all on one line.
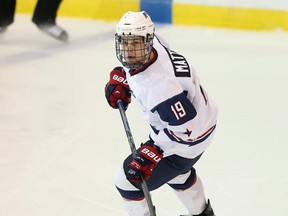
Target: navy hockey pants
{"points": [[167, 169]]}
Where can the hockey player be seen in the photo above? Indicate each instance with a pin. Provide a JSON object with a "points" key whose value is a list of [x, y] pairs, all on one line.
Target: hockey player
{"points": [[44, 17], [181, 114]]}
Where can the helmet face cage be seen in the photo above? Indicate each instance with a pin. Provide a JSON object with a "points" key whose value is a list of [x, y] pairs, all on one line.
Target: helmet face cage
{"points": [[133, 51], [134, 39]]}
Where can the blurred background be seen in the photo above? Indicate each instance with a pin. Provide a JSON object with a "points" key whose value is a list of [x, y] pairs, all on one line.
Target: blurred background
{"points": [[241, 14]]}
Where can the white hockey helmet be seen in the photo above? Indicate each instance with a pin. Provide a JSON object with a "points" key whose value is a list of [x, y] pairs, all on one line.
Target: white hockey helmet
{"points": [[130, 27]]}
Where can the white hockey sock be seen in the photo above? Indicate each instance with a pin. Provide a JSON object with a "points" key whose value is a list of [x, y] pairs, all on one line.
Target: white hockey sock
{"points": [[193, 198], [137, 208]]}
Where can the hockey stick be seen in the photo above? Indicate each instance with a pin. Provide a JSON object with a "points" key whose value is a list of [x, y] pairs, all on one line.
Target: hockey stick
{"points": [[134, 152]]}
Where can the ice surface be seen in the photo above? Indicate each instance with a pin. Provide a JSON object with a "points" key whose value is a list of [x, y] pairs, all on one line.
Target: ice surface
{"points": [[60, 143]]}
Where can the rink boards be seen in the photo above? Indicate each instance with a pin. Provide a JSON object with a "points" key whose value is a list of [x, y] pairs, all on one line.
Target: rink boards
{"points": [[180, 12]]}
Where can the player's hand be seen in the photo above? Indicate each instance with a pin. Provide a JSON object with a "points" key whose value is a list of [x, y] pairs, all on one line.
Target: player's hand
{"points": [[117, 88], [147, 157]]}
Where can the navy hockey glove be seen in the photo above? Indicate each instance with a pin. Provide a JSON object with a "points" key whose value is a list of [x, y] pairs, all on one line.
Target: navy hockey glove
{"points": [[117, 88], [147, 157]]}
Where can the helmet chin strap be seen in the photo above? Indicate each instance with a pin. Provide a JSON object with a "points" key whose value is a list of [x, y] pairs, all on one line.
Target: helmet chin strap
{"points": [[151, 55]]}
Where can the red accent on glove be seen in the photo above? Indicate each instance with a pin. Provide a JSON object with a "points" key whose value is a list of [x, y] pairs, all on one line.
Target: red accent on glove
{"points": [[117, 88], [146, 159]]}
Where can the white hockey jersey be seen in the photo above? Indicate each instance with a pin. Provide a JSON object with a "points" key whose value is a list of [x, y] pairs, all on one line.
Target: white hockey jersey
{"points": [[181, 114]]}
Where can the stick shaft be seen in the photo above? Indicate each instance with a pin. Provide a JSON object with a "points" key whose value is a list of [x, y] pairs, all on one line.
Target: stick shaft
{"points": [[134, 152]]}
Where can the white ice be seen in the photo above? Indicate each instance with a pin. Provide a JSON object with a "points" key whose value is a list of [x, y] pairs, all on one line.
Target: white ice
{"points": [[60, 143]]}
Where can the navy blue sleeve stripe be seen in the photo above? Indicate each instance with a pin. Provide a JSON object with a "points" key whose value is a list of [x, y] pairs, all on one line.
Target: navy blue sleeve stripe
{"points": [[191, 142], [154, 129]]}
